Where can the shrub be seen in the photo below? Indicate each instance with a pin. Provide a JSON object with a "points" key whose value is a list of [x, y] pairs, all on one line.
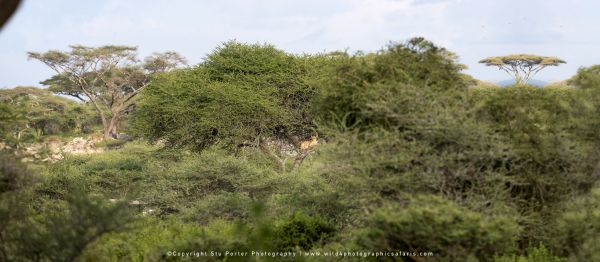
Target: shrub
{"points": [[14, 176], [225, 206], [409, 158], [576, 230], [549, 147], [176, 186], [87, 217], [302, 231], [28, 113], [57, 230], [359, 90], [241, 94], [149, 240], [534, 254], [586, 77], [430, 223]]}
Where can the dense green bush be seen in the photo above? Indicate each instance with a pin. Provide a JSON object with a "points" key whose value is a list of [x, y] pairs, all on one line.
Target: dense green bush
{"points": [[28, 113], [550, 147], [14, 176], [241, 95], [192, 183], [522, 149], [241, 92], [587, 78], [115, 175], [226, 206], [149, 240], [302, 231], [359, 89], [413, 156], [547, 131], [577, 228], [535, 254], [431, 224], [34, 228]]}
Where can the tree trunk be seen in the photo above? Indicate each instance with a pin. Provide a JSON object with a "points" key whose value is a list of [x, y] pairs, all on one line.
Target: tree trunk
{"points": [[107, 134], [104, 126], [303, 152], [105, 122], [278, 160], [110, 129], [114, 124], [299, 159]]}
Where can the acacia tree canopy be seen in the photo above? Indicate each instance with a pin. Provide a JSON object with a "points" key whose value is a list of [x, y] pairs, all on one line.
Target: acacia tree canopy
{"points": [[522, 66], [241, 95], [109, 77], [586, 77]]}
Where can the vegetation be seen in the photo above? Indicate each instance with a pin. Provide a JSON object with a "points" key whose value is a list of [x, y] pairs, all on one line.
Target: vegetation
{"points": [[413, 157], [30, 114], [109, 77], [522, 66], [242, 95], [587, 78]]}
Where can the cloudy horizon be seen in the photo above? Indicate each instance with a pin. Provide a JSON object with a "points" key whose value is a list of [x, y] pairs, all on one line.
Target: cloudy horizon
{"points": [[472, 29]]}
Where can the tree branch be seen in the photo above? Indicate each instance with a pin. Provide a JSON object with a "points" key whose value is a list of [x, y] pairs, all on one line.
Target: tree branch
{"points": [[262, 144]]}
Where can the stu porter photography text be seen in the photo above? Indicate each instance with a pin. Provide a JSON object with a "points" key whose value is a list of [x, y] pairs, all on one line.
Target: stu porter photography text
{"points": [[298, 254]]}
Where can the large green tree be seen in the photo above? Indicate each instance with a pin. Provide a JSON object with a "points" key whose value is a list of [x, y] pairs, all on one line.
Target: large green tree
{"points": [[395, 87], [241, 95], [522, 66], [109, 77]]}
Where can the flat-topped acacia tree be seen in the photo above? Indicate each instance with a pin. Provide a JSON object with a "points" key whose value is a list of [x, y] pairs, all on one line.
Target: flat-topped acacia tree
{"points": [[522, 66], [108, 77]]}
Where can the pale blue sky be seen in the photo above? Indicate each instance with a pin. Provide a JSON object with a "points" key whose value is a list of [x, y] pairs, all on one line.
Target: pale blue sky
{"points": [[471, 28]]}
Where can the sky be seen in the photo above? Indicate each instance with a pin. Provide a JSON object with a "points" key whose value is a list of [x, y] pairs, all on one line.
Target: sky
{"points": [[473, 29]]}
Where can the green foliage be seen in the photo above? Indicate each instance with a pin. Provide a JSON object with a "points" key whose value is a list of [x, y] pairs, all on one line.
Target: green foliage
{"points": [[87, 218], [13, 174], [28, 114], [58, 230], [577, 228], [164, 185], [494, 150], [302, 231], [199, 180], [149, 240], [413, 156], [535, 254], [113, 175], [240, 93], [109, 77], [13, 122], [110, 144], [547, 133], [587, 77], [406, 75], [430, 223], [229, 206], [154, 238]]}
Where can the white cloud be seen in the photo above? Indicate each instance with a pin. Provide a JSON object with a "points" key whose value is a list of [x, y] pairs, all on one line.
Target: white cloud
{"points": [[472, 28]]}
